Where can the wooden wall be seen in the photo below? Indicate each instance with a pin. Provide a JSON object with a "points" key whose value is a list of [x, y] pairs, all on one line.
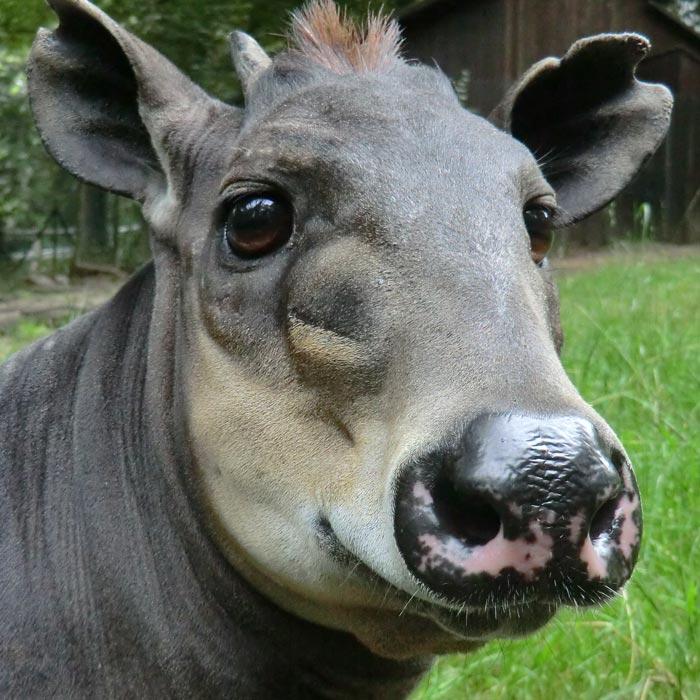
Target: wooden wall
{"points": [[494, 41]]}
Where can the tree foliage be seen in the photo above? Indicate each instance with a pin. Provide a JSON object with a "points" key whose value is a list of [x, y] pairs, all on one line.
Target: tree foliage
{"points": [[687, 12], [28, 177]]}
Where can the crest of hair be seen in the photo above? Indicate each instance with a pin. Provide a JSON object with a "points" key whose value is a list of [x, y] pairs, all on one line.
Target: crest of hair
{"points": [[323, 33]]}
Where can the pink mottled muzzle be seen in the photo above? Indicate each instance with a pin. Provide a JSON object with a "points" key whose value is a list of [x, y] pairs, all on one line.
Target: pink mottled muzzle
{"points": [[525, 509]]}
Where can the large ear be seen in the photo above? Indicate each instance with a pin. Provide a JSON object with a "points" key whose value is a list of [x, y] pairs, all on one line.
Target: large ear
{"points": [[590, 123], [105, 103]]}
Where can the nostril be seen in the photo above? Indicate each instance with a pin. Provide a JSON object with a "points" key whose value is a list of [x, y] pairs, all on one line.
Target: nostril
{"points": [[603, 519], [467, 516]]}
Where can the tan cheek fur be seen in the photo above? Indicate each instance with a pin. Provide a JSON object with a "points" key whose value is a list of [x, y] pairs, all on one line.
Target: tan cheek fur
{"points": [[263, 463], [321, 346], [265, 474]]}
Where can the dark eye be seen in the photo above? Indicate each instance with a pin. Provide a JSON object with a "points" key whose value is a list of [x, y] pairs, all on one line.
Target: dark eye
{"points": [[539, 221], [258, 224]]}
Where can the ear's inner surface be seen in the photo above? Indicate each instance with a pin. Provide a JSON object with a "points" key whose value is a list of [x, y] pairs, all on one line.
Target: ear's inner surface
{"points": [[109, 107], [84, 97], [586, 118]]}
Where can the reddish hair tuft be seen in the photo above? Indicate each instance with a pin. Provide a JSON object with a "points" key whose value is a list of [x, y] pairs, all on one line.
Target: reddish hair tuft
{"points": [[326, 35]]}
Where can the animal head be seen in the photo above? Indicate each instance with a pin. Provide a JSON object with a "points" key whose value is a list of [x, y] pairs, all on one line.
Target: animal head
{"points": [[352, 270]]}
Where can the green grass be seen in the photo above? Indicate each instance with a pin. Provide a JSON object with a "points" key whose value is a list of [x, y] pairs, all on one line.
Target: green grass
{"points": [[633, 349], [25, 331]]}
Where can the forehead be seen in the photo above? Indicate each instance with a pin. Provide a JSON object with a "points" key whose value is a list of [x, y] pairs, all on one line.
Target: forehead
{"points": [[366, 126]]}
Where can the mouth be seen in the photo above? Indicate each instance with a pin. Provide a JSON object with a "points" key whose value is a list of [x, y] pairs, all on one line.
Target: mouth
{"points": [[503, 620], [516, 612]]}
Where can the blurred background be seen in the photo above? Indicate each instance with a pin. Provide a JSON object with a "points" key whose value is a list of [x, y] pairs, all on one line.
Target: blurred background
{"points": [[629, 279]]}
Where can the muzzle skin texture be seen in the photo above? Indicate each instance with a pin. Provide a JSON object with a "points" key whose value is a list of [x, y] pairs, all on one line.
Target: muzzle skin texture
{"points": [[528, 510]]}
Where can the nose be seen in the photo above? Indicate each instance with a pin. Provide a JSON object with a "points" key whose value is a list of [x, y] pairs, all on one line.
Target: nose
{"points": [[525, 502]]}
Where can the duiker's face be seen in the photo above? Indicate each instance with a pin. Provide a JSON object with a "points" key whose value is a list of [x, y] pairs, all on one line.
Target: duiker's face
{"points": [[333, 379], [384, 435]]}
